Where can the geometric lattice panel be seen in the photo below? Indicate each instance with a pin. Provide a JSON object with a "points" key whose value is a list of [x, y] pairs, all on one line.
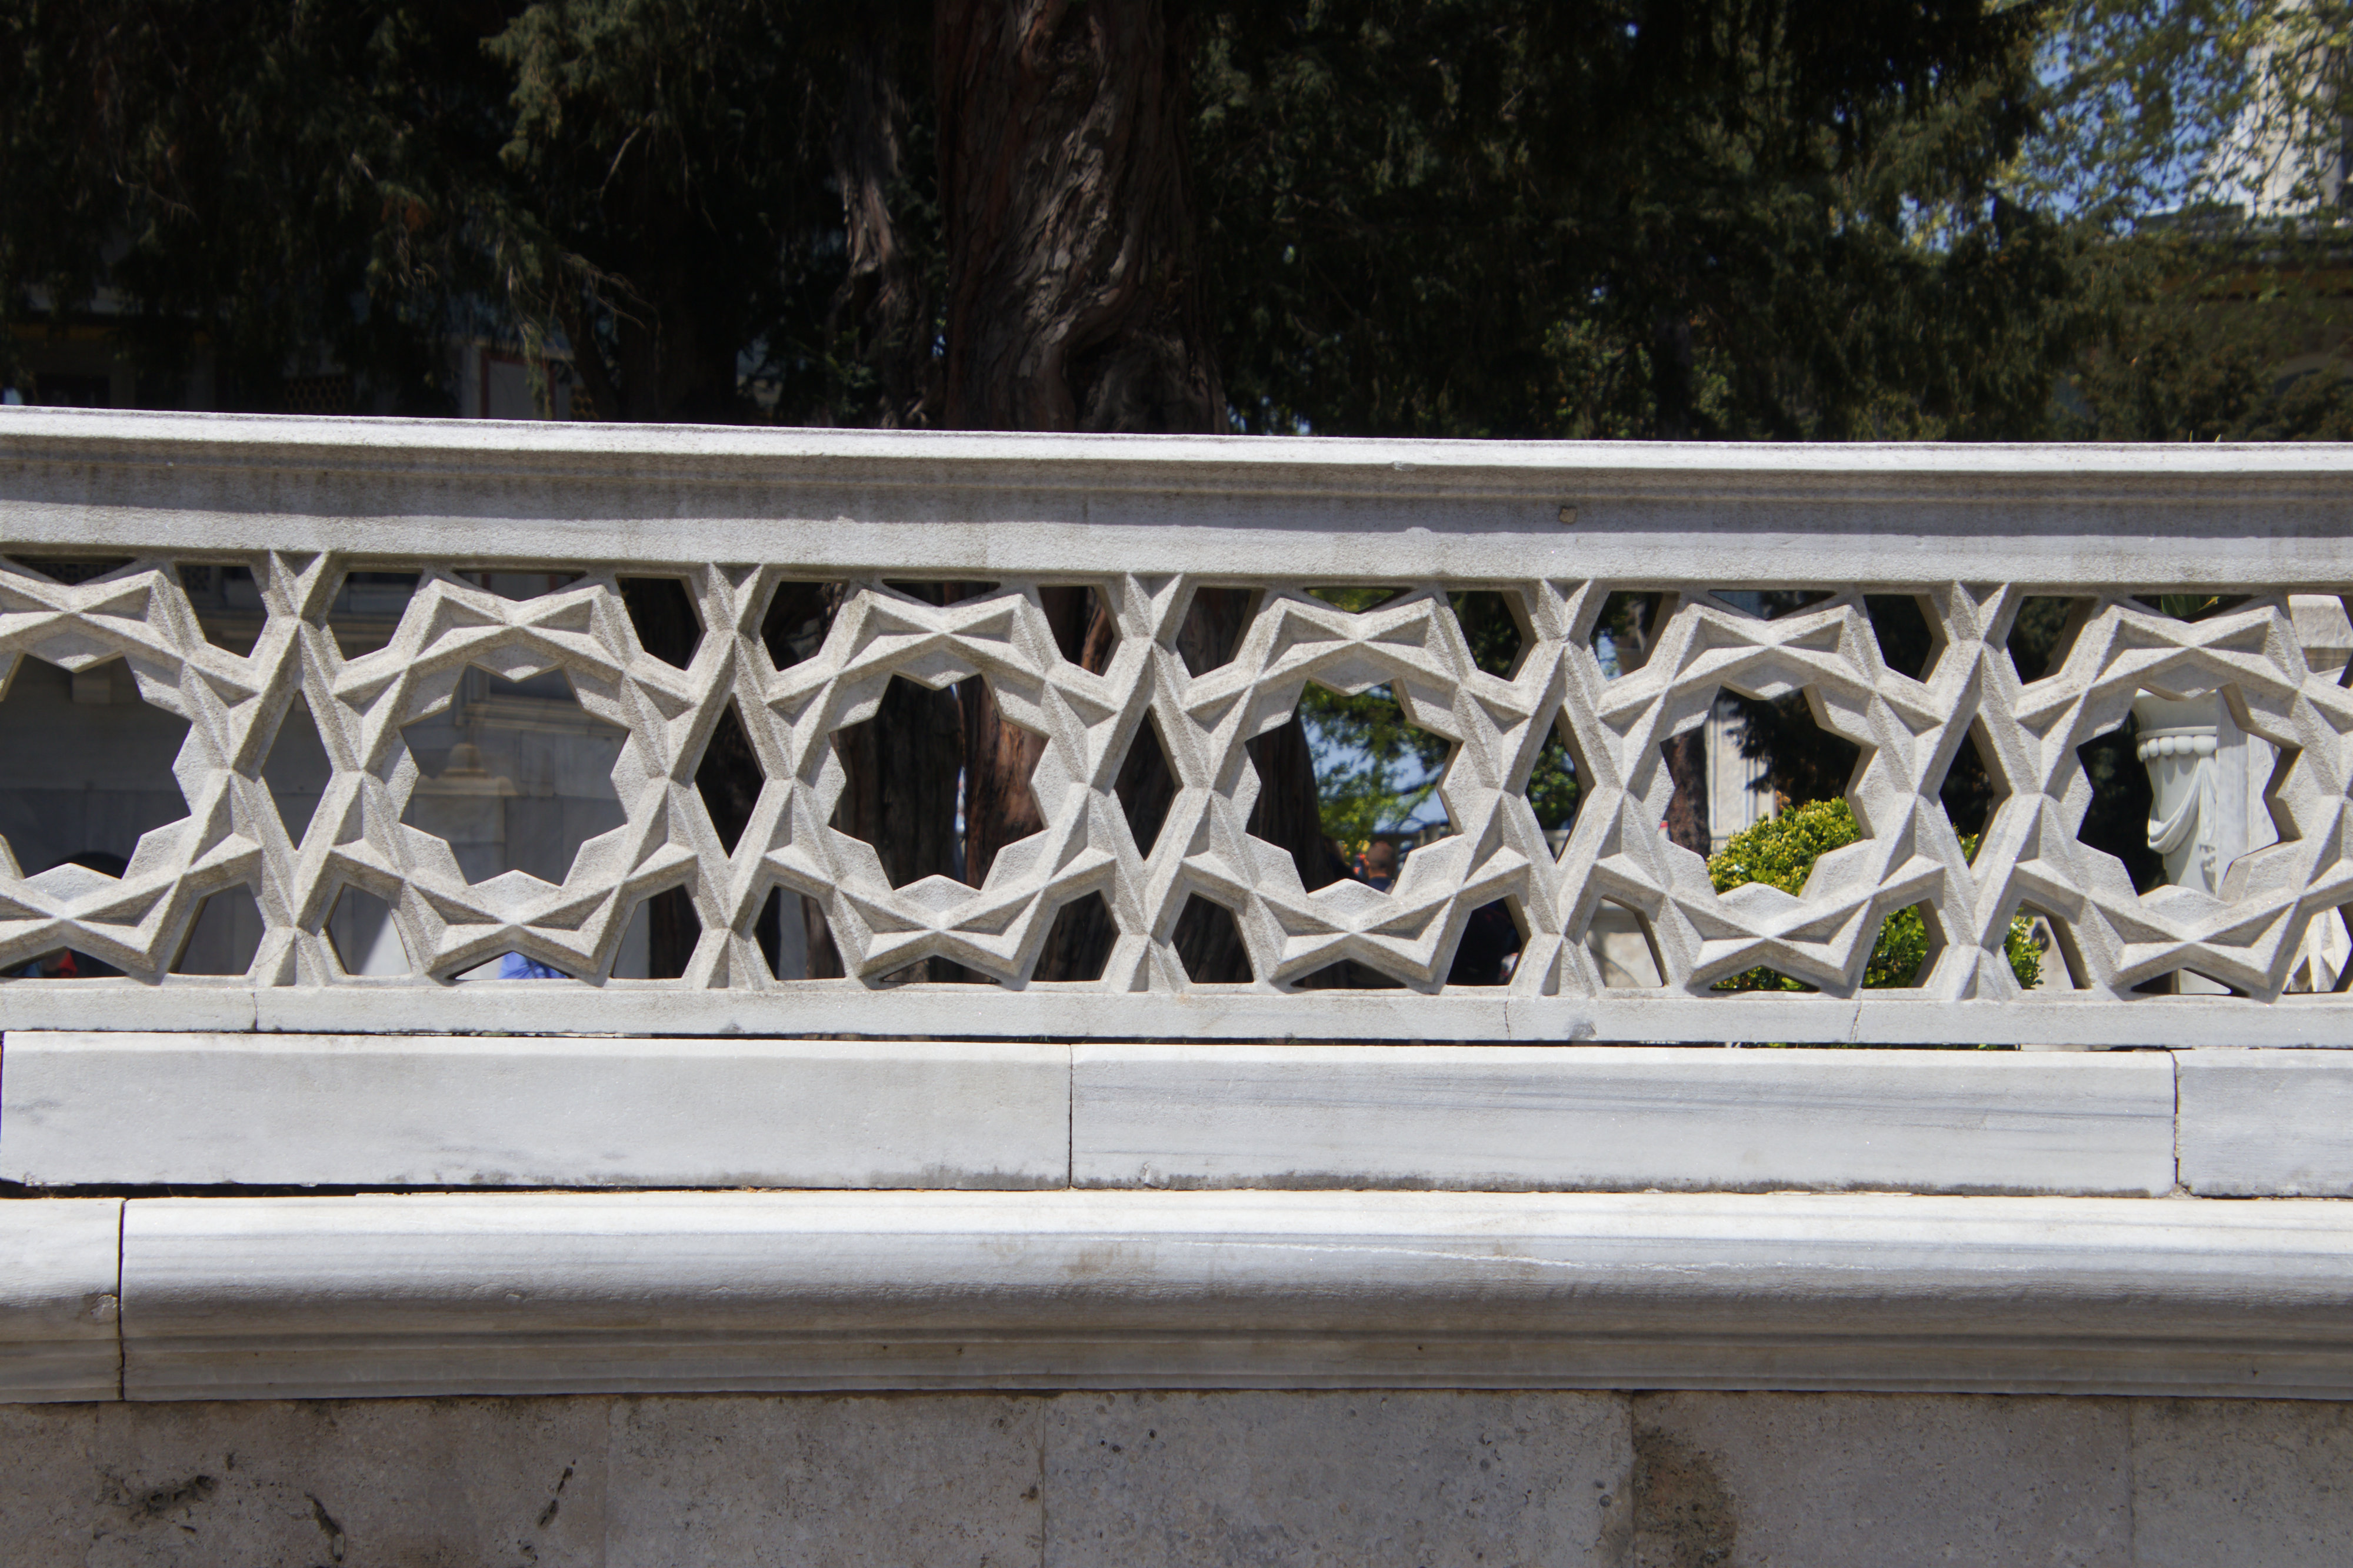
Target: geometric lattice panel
{"points": [[2245, 936]]}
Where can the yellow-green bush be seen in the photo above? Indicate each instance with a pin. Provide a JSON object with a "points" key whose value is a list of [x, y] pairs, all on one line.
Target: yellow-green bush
{"points": [[1780, 851]]}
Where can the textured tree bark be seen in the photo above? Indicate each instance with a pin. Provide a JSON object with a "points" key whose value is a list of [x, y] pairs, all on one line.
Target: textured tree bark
{"points": [[1687, 822], [881, 308], [1074, 298], [1074, 303], [900, 794]]}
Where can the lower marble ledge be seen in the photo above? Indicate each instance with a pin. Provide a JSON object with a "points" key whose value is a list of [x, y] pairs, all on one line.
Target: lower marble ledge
{"points": [[2076, 1020], [545, 1293], [113, 1110]]}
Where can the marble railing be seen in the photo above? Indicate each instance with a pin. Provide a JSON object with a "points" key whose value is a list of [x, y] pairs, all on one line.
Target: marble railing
{"points": [[362, 834], [375, 638]]}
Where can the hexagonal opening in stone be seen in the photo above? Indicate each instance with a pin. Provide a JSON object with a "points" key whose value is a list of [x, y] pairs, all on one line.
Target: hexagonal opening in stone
{"points": [[728, 778], [365, 936], [224, 937], [61, 963], [2043, 633], [1906, 629], [1625, 949], [800, 614], [84, 767], [72, 571], [2046, 946], [1210, 946], [514, 776], [789, 930], [1146, 784], [900, 794], [1211, 632], [2185, 982], [1762, 979], [1347, 974], [1086, 630], [1628, 628], [1356, 599], [1971, 791], [2192, 607], [2040, 952], [365, 612], [1749, 762], [1905, 948], [297, 768], [2324, 960], [1773, 604], [662, 614], [659, 940], [2116, 822], [517, 966], [2181, 790], [1079, 942], [509, 582], [1494, 623], [228, 601], [1489, 951], [1376, 776], [1557, 786]]}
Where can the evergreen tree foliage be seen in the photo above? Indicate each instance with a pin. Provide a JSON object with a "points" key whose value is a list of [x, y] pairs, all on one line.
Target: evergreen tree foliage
{"points": [[1976, 219]]}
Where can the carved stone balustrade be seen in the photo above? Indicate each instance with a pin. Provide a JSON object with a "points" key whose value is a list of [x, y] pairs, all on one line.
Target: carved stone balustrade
{"points": [[359, 836], [309, 515]]}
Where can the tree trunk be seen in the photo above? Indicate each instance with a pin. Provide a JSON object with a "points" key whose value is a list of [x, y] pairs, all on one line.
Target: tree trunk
{"points": [[1074, 296], [882, 311], [1687, 824], [1074, 303]]}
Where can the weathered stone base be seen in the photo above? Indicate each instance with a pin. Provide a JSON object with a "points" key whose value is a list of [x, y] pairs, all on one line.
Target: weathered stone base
{"points": [[1672, 1480]]}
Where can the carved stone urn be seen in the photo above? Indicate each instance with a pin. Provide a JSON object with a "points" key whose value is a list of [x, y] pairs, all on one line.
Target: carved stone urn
{"points": [[2179, 742]]}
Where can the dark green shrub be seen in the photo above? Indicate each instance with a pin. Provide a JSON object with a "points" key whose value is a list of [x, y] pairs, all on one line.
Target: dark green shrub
{"points": [[1780, 852]]}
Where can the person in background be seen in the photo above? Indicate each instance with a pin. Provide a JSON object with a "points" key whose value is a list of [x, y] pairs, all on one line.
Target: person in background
{"points": [[1380, 865]]}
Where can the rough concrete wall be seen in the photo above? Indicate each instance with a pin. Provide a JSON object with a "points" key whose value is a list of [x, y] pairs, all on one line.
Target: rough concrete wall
{"points": [[1675, 1481]]}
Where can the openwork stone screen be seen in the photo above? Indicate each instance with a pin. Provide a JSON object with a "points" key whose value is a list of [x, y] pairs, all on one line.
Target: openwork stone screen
{"points": [[391, 578]]}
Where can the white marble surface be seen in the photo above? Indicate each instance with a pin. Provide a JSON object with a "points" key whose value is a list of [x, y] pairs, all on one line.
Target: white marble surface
{"points": [[391, 1111], [397, 1110], [59, 1269], [1603, 1118], [2259, 1123], [521, 1293]]}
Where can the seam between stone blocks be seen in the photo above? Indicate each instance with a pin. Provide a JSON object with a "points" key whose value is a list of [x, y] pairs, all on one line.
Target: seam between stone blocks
{"points": [[122, 1346], [2174, 1059]]}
